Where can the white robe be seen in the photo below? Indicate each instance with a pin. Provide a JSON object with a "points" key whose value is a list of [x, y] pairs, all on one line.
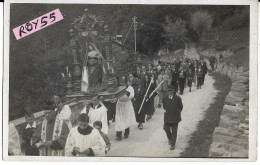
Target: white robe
{"points": [[14, 144], [65, 115], [94, 141], [84, 81], [98, 114], [125, 115]]}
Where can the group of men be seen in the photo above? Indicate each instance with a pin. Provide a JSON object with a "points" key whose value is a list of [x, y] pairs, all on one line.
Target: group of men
{"points": [[147, 88]]}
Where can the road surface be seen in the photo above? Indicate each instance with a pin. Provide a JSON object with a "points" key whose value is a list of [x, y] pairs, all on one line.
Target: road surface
{"points": [[152, 140]]}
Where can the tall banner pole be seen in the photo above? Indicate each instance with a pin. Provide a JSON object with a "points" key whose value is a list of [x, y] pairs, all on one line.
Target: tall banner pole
{"points": [[145, 96], [135, 28]]}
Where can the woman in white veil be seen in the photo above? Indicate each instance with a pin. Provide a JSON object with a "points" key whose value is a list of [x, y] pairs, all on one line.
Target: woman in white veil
{"points": [[92, 53]]}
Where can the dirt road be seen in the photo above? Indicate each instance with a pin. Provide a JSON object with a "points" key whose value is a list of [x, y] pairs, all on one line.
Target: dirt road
{"points": [[152, 140]]}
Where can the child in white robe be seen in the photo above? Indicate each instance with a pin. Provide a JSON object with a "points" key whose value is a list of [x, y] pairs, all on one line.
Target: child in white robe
{"points": [[84, 140]]}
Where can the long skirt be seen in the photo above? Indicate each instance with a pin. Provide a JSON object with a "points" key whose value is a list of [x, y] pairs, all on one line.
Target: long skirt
{"points": [[156, 101]]}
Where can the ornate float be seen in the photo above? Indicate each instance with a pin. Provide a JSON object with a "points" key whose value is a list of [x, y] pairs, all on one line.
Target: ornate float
{"points": [[97, 68]]}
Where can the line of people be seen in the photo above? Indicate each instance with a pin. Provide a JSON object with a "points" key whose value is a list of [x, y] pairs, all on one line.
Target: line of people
{"points": [[148, 88]]}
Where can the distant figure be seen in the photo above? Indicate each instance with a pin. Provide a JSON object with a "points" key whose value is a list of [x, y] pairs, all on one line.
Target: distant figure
{"points": [[172, 104], [182, 80], [196, 65], [98, 126], [28, 132], [84, 140], [125, 116], [204, 68], [142, 73], [212, 61], [97, 111], [175, 78], [190, 79], [14, 145], [199, 77], [50, 136]]}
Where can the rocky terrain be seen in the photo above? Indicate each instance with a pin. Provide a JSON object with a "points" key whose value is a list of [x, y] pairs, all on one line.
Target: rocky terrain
{"points": [[230, 138]]}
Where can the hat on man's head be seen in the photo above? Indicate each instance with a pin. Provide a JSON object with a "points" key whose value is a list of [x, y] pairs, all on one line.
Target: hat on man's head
{"points": [[170, 88]]}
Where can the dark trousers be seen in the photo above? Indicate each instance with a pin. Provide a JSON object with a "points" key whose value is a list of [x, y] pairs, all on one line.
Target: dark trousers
{"points": [[175, 85], [203, 78], [181, 85], [140, 118], [212, 65], [189, 82], [171, 132], [119, 133], [199, 82]]}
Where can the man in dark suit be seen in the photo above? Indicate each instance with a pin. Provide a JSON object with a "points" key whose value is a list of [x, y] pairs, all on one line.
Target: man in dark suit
{"points": [[204, 67], [172, 104]]}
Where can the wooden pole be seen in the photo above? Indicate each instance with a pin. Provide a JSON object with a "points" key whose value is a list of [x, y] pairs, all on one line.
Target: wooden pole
{"points": [[145, 96]]}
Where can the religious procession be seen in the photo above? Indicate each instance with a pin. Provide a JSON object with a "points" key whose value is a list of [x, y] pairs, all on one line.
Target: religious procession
{"points": [[101, 97]]}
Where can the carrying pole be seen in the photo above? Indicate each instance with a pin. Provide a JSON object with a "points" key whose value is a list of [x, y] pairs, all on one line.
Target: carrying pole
{"points": [[145, 96]]}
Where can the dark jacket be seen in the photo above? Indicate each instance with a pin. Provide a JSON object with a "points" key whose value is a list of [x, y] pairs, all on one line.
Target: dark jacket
{"points": [[28, 149], [173, 108], [204, 67], [175, 76], [137, 101]]}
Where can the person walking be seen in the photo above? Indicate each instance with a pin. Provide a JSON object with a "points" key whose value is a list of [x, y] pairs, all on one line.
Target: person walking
{"points": [[190, 79], [182, 80], [212, 61], [175, 78], [204, 67], [199, 77], [125, 115], [172, 104]]}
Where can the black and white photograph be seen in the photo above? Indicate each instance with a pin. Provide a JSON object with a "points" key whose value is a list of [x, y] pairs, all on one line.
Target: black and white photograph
{"points": [[91, 81]]}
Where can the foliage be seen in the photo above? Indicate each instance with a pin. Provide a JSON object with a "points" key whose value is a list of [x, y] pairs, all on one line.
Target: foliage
{"points": [[240, 19], [175, 32], [201, 21]]}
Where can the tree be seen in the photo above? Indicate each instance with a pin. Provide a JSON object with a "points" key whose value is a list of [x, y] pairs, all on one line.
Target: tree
{"points": [[175, 33], [201, 21]]}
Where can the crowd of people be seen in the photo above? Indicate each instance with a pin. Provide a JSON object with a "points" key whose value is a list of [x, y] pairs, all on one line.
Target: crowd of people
{"points": [[149, 87]]}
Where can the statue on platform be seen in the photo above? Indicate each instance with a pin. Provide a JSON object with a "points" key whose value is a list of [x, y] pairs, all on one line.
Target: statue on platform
{"points": [[93, 54], [93, 70]]}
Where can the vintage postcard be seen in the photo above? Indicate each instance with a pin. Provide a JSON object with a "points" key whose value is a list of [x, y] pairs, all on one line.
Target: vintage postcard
{"points": [[130, 81]]}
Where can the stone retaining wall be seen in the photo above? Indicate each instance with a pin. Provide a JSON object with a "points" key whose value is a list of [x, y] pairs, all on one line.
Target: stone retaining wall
{"points": [[230, 138]]}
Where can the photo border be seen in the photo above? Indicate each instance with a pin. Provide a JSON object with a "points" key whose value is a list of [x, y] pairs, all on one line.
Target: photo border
{"points": [[253, 93]]}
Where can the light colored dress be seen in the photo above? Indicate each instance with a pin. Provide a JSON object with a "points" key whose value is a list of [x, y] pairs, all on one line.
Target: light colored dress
{"points": [[65, 115], [125, 115]]}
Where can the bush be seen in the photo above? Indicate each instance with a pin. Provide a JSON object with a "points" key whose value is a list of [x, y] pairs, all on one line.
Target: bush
{"points": [[175, 33], [201, 21]]}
